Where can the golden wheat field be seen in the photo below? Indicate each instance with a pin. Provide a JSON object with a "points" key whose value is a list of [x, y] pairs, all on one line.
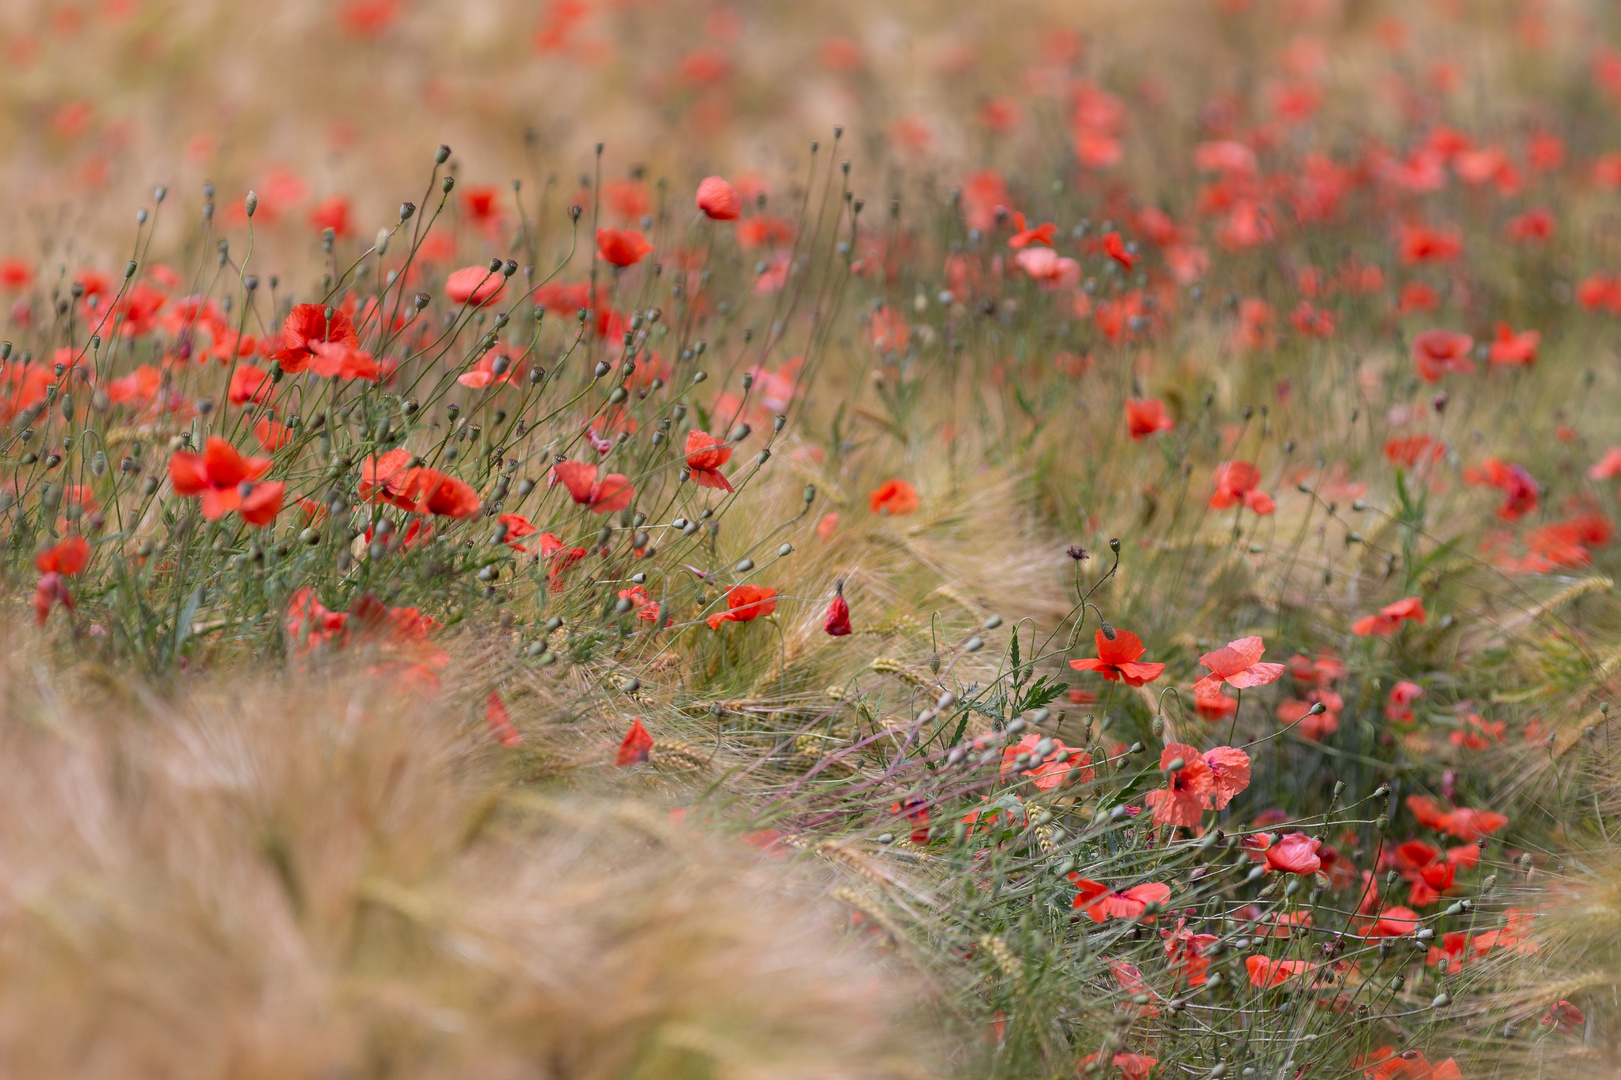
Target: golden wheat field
{"points": [[714, 540]]}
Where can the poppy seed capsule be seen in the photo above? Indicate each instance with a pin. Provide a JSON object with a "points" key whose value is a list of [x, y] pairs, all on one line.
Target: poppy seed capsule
{"points": [[447, 185]]}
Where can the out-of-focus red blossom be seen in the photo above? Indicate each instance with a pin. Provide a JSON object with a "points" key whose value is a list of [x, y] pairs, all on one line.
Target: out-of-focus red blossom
{"points": [[1131, 1066], [1312, 322], [836, 623], [1115, 248], [1511, 349], [705, 455], [56, 564], [1465, 824], [1398, 706], [1599, 290], [1026, 235], [1118, 658], [1146, 417], [1390, 618], [1564, 1017], [499, 723], [607, 495], [1098, 902], [1061, 766], [1437, 353], [476, 285], [1520, 490], [622, 247], [1418, 243], [1533, 225], [635, 747], [1385, 1064], [745, 603], [1414, 451], [1048, 268], [1237, 485], [894, 498], [719, 200]]}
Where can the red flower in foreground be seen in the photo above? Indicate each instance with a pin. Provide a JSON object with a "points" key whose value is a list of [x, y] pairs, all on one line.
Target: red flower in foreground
{"points": [[1131, 1066], [1098, 902], [220, 474], [1238, 664], [476, 285], [1390, 618], [612, 492], [1187, 794], [1117, 659], [837, 622], [893, 497], [1236, 483], [705, 455], [1563, 1017], [745, 603], [308, 325], [1146, 418], [635, 747], [1295, 854], [622, 247], [719, 200]]}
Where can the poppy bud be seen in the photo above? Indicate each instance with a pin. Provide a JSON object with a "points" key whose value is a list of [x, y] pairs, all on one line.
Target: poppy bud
{"points": [[837, 622], [993, 622], [974, 644], [251, 203]]}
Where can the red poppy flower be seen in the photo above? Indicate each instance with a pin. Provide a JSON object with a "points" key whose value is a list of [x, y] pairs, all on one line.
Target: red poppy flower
{"points": [[1236, 483], [1511, 349], [66, 558], [271, 434], [1229, 774], [1186, 795], [719, 200], [1024, 236], [1098, 902], [893, 497], [337, 360], [1146, 418], [1212, 704], [432, 492], [1049, 269], [1061, 766], [308, 325], [517, 527], [635, 747], [745, 603], [605, 496], [1267, 973], [1115, 248], [1393, 922], [1442, 352], [219, 474], [837, 622], [1239, 664], [1295, 853], [705, 455], [1521, 494], [622, 247], [476, 285], [1117, 659], [1563, 1017], [500, 724], [1390, 618], [249, 383]]}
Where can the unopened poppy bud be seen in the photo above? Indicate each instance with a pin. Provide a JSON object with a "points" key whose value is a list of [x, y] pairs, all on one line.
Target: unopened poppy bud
{"points": [[1381, 823], [1158, 726], [129, 270], [553, 623], [785, 550], [956, 756], [945, 701], [1175, 765], [993, 622], [1016, 726], [1440, 1000], [380, 245], [1317, 709], [1488, 885], [974, 644], [251, 203], [809, 494], [745, 565], [699, 376]]}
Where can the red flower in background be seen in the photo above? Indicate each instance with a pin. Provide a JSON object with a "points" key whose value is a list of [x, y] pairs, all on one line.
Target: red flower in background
{"points": [[894, 498], [308, 325], [1441, 352], [745, 603], [1390, 618], [1098, 902], [636, 745], [622, 247], [225, 480], [1145, 418], [837, 621], [1236, 484], [476, 285], [719, 200], [605, 496], [1238, 664]]}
